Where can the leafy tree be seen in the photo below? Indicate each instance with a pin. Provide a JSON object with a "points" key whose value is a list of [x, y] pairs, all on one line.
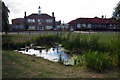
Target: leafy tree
{"points": [[5, 22], [116, 13]]}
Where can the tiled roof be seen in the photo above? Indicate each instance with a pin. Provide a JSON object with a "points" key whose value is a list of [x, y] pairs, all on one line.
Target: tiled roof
{"points": [[32, 16], [18, 20], [37, 16], [93, 20]]}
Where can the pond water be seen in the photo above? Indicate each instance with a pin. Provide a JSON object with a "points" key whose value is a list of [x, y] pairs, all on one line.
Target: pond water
{"points": [[52, 54]]}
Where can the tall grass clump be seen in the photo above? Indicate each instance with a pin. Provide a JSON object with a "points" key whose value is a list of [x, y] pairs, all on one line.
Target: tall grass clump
{"points": [[97, 61], [15, 45], [47, 40], [72, 44], [93, 43]]}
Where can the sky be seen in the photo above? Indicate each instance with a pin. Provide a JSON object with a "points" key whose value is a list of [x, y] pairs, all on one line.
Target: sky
{"points": [[64, 10]]}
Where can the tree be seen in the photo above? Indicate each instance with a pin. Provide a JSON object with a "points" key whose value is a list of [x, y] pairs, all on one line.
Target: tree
{"points": [[116, 13], [5, 22]]}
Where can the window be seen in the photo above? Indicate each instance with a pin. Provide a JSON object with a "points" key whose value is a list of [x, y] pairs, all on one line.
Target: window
{"points": [[31, 27], [78, 25], [62, 26], [49, 27], [110, 24], [84, 25], [48, 20], [19, 27], [39, 23], [66, 26], [71, 28], [89, 25], [58, 26], [39, 20], [31, 20]]}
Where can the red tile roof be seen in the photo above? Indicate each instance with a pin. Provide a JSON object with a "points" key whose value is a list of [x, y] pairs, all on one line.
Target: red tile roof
{"points": [[37, 16], [18, 20], [32, 16], [93, 20]]}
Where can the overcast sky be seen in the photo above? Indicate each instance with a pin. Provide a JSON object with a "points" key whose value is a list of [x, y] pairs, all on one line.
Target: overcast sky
{"points": [[64, 10]]}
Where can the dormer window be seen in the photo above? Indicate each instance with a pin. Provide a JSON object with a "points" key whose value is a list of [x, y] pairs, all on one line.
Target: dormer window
{"points": [[31, 20]]}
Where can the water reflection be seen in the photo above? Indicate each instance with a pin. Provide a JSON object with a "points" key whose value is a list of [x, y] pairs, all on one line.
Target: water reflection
{"points": [[52, 54]]}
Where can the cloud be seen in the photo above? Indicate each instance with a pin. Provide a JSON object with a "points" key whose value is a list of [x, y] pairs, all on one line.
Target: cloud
{"points": [[66, 10], [13, 5]]}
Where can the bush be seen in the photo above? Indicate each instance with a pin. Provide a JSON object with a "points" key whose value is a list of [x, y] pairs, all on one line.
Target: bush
{"points": [[97, 61]]}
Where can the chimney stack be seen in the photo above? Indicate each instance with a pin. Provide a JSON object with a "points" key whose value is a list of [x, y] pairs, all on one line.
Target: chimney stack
{"points": [[102, 16], [105, 16], [53, 14], [25, 14]]}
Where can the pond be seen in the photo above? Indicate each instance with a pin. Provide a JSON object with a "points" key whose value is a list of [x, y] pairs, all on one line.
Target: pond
{"points": [[53, 54]]}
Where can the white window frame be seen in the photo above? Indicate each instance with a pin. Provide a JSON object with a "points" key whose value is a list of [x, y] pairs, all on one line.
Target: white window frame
{"points": [[84, 25], [89, 25], [49, 20], [49, 27], [31, 20], [58, 26], [39, 20], [78, 25], [31, 27]]}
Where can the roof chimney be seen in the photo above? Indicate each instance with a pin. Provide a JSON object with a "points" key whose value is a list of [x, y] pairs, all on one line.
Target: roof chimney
{"points": [[105, 16], [53, 14], [102, 16], [25, 14]]}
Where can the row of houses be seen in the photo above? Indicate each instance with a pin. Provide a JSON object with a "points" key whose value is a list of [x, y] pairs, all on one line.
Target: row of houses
{"points": [[40, 21]]}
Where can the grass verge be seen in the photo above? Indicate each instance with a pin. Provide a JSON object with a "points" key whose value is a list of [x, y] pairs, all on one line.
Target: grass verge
{"points": [[16, 65]]}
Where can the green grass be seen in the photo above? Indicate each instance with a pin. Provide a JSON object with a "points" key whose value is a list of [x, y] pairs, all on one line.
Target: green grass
{"points": [[80, 44], [16, 65]]}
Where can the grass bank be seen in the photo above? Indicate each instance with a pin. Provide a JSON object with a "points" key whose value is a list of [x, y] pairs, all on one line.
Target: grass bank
{"points": [[102, 49], [16, 65]]}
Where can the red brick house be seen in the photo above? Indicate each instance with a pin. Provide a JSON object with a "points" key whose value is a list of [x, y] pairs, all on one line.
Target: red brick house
{"points": [[35, 21], [92, 24]]}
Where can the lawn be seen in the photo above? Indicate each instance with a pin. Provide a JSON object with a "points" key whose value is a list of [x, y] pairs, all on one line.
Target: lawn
{"points": [[16, 65]]}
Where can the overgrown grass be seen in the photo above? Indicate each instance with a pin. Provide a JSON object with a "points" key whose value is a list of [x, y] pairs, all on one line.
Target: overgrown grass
{"points": [[93, 46], [16, 65], [98, 61]]}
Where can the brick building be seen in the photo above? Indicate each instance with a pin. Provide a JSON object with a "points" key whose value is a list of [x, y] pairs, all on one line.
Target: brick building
{"points": [[35, 21], [92, 24]]}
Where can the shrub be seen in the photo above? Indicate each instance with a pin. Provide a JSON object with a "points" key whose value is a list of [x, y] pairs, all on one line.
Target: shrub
{"points": [[97, 61]]}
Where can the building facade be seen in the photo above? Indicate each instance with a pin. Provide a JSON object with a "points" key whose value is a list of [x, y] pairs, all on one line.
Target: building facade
{"points": [[35, 21], [39, 21], [92, 24]]}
